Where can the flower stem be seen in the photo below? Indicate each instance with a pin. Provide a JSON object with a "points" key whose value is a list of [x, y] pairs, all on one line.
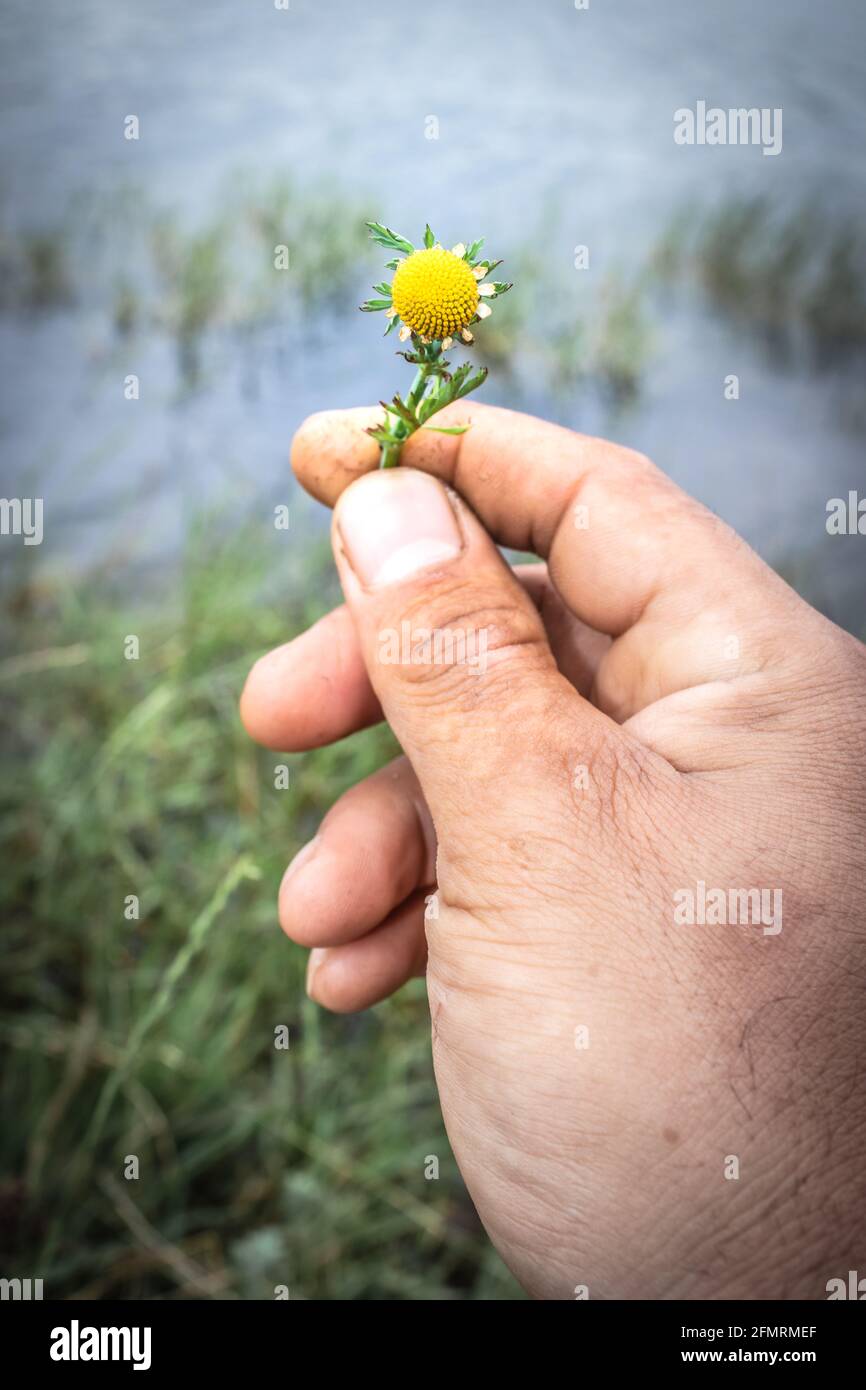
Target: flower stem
{"points": [[419, 386], [390, 455]]}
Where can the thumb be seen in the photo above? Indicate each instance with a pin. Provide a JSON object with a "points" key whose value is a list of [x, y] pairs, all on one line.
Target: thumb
{"points": [[455, 650]]}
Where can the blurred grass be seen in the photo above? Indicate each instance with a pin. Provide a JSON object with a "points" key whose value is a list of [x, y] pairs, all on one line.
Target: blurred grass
{"points": [[796, 276], [155, 1037], [145, 268], [581, 333]]}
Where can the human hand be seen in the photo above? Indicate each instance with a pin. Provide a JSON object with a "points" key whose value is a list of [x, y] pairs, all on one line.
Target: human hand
{"points": [[652, 710]]}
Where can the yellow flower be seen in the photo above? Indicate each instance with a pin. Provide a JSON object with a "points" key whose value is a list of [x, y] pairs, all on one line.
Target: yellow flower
{"points": [[435, 293], [434, 298]]}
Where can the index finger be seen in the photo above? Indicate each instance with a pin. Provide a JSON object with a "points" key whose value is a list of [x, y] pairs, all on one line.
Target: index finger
{"points": [[622, 541]]}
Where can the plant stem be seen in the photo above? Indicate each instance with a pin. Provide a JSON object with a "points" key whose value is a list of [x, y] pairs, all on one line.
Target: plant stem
{"points": [[419, 386], [390, 455]]}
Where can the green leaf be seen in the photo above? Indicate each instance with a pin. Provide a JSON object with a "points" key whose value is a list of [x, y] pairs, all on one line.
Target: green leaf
{"points": [[448, 429], [383, 236], [380, 435], [470, 383], [400, 408], [392, 324], [383, 288], [459, 377], [433, 401], [429, 238], [500, 287], [392, 265], [373, 306], [473, 250]]}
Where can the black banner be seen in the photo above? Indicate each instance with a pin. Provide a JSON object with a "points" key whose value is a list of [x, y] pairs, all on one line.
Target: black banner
{"points": [[69, 1339]]}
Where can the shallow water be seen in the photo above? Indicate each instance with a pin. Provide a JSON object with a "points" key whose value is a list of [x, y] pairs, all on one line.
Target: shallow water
{"points": [[533, 102]]}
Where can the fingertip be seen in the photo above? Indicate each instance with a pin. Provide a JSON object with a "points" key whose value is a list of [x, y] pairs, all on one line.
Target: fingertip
{"points": [[310, 691], [262, 704], [311, 909], [315, 959], [255, 705], [373, 850], [329, 986], [332, 447], [347, 979]]}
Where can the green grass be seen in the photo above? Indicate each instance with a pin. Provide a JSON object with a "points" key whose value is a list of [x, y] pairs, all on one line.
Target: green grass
{"points": [[155, 1037]]}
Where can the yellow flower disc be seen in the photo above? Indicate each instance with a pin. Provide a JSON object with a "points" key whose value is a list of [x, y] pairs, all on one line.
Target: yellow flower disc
{"points": [[435, 293]]}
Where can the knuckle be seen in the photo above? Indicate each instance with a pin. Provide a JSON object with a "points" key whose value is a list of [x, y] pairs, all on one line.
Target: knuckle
{"points": [[635, 464], [461, 644], [627, 475]]}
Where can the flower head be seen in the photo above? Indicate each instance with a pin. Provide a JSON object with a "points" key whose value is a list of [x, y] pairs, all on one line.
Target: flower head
{"points": [[435, 293], [435, 297]]}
